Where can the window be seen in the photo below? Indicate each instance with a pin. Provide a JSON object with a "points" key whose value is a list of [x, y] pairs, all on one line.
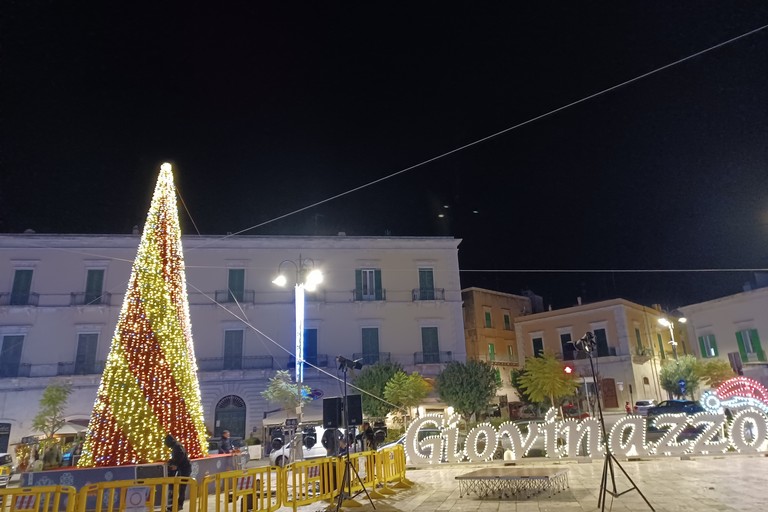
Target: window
{"points": [[370, 345], [236, 284], [538, 347], [602, 343], [662, 354], [22, 285], [491, 352], [233, 349], [646, 382], [85, 359], [708, 345], [511, 353], [487, 317], [430, 345], [10, 355], [507, 321], [368, 284], [568, 348], [497, 375], [310, 346], [638, 341], [94, 286], [426, 284], [749, 345]]}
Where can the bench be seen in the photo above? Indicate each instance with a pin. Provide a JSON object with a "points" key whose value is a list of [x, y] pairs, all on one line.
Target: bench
{"points": [[506, 482]]}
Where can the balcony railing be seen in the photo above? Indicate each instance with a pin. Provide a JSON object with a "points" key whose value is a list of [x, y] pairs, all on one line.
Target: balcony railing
{"points": [[429, 294], [496, 358], [321, 361], [359, 296], [216, 364], [235, 296], [71, 368], [368, 358], [11, 370], [432, 357], [19, 299], [90, 299]]}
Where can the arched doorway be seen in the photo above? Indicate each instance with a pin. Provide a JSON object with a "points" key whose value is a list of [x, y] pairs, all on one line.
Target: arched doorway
{"points": [[230, 415]]}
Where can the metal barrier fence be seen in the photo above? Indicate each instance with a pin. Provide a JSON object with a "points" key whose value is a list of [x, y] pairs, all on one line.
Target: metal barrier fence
{"points": [[257, 489], [38, 499], [137, 495], [253, 489]]}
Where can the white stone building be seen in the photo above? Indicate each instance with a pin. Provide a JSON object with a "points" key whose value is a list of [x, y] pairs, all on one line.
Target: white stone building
{"points": [[396, 298], [732, 328]]}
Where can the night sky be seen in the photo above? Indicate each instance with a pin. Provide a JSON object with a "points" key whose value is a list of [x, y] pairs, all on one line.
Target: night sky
{"points": [[266, 110]]}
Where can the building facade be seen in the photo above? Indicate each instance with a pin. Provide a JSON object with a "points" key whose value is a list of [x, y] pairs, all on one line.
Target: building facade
{"points": [[732, 328], [630, 347], [384, 298], [489, 330]]}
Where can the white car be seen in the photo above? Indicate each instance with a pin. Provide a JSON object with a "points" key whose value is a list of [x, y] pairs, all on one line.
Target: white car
{"points": [[316, 443], [642, 406]]}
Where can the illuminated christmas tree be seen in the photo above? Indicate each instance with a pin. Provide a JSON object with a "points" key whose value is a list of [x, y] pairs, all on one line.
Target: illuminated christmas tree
{"points": [[149, 387]]}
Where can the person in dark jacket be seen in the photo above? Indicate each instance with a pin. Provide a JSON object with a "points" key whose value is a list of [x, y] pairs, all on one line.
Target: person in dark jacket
{"points": [[178, 465], [367, 437], [225, 445]]}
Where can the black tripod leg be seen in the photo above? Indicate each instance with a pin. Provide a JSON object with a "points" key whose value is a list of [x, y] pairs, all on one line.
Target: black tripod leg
{"points": [[634, 486], [357, 475]]}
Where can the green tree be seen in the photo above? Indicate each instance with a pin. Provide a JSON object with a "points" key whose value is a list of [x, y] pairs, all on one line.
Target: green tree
{"points": [[372, 379], [406, 391], [50, 417], [515, 377], [468, 387], [545, 378], [282, 391], [714, 372], [686, 368]]}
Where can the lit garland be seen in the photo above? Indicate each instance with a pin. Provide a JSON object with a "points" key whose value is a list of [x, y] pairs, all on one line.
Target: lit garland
{"points": [[149, 387]]}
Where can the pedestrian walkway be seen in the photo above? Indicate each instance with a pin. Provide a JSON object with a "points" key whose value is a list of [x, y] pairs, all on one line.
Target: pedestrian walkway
{"points": [[699, 484]]}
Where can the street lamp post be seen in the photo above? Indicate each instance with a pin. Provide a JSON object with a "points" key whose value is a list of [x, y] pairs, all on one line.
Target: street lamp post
{"points": [[671, 325], [307, 279]]}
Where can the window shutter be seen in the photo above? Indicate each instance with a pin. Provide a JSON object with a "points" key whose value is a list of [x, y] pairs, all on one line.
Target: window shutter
{"points": [[661, 346], [377, 284], [702, 347], [742, 348], [358, 284], [755, 339], [714, 346]]}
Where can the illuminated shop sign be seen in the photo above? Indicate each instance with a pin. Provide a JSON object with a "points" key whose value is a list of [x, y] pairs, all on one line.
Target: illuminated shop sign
{"points": [[744, 429]]}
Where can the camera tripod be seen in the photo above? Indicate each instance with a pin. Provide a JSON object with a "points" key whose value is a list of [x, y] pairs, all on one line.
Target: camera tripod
{"points": [[345, 490], [587, 345]]}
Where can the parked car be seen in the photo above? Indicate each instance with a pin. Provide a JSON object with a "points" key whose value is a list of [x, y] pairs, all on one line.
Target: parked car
{"points": [[317, 442], [688, 407], [6, 461], [642, 406]]}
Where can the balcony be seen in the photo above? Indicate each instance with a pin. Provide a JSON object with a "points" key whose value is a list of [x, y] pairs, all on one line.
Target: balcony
{"points": [[90, 299], [320, 360], [428, 294], [499, 359], [12, 370], [368, 358], [432, 357], [217, 364], [19, 299], [572, 355], [359, 296], [642, 355], [71, 368], [242, 296]]}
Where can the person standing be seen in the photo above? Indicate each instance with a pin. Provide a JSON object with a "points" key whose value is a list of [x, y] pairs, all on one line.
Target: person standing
{"points": [[628, 408], [225, 445], [178, 465], [366, 435]]}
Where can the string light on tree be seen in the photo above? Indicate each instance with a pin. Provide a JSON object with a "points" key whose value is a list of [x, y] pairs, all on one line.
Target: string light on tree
{"points": [[149, 387]]}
